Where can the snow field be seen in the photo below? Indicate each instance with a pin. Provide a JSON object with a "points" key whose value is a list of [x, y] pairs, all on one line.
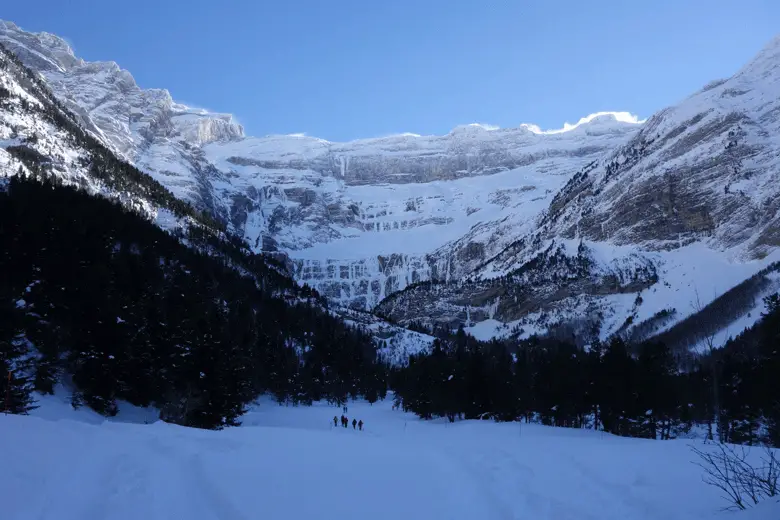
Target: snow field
{"points": [[685, 275], [291, 463]]}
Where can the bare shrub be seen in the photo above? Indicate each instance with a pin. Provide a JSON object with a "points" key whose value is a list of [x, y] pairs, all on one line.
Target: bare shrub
{"points": [[743, 484]]}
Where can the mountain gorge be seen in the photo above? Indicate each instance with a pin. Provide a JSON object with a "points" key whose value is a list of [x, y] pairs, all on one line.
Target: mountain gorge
{"points": [[608, 226]]}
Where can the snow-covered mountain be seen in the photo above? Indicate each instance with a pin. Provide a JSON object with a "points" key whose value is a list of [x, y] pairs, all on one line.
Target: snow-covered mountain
{"points": [[361, 219], [706, 170], [26, 132], [42, 139], [612, 223], [672, 218], [39, 137]]}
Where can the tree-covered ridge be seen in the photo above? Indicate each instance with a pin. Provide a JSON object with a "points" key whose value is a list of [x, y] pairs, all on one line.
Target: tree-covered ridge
{"points": [[633, 390], [99, 297]]}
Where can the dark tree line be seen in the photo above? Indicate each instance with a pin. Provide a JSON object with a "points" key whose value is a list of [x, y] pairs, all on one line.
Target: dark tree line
{"points": [[15, 385], [749, 381], [98, 297], [632, 390]]}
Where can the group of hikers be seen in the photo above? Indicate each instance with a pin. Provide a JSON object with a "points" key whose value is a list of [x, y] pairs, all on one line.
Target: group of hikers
{"points": [[345, 421]]}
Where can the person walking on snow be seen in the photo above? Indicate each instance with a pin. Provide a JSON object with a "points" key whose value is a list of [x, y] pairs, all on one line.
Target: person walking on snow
{"points": [[335, 420], [354, 423], [360, 425]]}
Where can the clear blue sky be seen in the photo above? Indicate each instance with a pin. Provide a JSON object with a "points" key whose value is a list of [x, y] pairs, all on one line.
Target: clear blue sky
{"points": [[343, 69]]}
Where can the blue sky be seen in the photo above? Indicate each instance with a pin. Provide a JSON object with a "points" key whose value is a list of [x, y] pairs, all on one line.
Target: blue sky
{"points": [[344, 69]]}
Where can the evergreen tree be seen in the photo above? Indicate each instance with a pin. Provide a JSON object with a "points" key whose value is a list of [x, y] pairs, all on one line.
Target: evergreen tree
{"points": [[15, 387], [124, 310]]}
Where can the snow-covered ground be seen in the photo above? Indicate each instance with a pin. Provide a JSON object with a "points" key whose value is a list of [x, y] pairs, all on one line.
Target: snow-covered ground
{"points": [[290, 462], [689, 278]]}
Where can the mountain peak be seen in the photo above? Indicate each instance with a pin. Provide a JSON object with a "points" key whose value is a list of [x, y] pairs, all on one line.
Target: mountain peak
{"points": [[153, 114], [363, 219], [49, 51], [9, 25], [473, 128], [766, 63], [600, 119]]}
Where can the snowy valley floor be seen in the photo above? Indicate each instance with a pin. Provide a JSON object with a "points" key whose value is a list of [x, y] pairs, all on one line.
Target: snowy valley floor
{"points": [[288, 462]]}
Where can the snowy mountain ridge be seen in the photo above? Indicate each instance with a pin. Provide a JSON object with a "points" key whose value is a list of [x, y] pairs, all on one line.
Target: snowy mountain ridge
{"points": [[37, 139], [694, 187], [695, 193], [342, 211], [41, 139]]}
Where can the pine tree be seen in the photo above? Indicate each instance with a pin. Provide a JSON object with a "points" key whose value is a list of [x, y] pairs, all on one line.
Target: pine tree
{"points": [[768, 368], [15, 387], [124, 310]]}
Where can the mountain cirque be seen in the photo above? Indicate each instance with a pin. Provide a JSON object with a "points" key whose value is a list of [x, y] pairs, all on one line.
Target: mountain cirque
{"points": [[518, 228]]}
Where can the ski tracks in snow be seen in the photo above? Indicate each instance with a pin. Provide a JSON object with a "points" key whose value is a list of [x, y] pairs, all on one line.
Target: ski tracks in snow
{"points": [[532, 479], [97, 483], [296, 468], [153, 479], [193, 485]]}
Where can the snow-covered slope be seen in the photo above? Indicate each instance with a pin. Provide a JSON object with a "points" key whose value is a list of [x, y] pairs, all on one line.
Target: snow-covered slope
{"points": [[25, 130], [705, 170], [39, 138], [291, 463], [394, 343], [359, 219], [654, 204], [693, 196], [132, 121]]}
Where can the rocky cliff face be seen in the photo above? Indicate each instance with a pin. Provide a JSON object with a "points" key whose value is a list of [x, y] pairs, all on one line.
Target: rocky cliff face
{"points": [[41, 138], [35, 136], [360, 220], [145, 127], [706, 169], [364, 219], [696, 188], [607, 222]]}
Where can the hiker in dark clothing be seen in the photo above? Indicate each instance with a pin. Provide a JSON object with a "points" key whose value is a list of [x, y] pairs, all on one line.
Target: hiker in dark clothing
{"points": [[354, 423], [344, 421], [360, 425], [335, 420]]}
